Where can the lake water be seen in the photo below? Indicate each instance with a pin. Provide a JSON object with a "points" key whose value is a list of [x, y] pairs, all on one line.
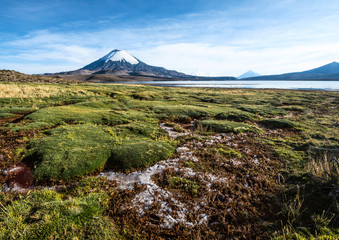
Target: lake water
{"points": [[301, 85]]}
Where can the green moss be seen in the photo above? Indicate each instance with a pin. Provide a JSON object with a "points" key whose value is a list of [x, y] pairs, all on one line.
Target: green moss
{"points": [[45, 195], [237, 116], [279, 123], [147, 95], [189, 186], [131, 154], [264, 111], [112, 104], [149, 129], [77, 114], [134, 111], [33, 125], [69, 152], [44, 215], [6, 115], [17, 110], [226, 152], [295, 159], [294, 108], [191, 165], [227, 126], [181, 113]]}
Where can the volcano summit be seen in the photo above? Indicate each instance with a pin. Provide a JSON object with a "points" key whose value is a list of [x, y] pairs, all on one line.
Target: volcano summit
{"points": [[121, 63]]}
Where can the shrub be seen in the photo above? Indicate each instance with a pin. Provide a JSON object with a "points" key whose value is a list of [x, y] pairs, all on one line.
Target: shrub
{"points": [[227, 126], [69, 152], [138, 153]]}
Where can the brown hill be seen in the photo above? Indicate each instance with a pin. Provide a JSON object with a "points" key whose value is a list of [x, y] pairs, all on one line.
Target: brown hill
{"points": [[14, 76]]}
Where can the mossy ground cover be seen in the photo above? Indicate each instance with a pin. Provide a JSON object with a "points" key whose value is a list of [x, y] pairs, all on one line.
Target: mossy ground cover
{"points": [[133, 154], [279, 123], [75, 213], [69, 152], [68, 131]]}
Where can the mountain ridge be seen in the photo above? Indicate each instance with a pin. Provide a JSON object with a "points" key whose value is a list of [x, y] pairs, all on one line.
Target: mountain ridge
{"points": [[326, 72]]}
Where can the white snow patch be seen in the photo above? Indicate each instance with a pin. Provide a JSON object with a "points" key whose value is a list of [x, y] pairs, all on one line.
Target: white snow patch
{"points": [[14, 188], [14, 169], [171, 132], [120, 55]]}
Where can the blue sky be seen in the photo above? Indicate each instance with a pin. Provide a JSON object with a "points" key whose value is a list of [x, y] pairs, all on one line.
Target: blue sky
{"points": [[196, 37]]}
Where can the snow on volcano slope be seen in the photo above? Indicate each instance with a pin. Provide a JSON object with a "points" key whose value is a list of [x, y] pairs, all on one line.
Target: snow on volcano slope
{"points": [[120, 55]]}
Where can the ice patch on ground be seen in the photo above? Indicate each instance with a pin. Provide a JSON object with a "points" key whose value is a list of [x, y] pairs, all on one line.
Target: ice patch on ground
{"points": [[171, 132], [170, 209]]}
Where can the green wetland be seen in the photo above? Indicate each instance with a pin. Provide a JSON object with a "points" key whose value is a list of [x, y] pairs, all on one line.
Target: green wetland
{"points": [[100, 161]]}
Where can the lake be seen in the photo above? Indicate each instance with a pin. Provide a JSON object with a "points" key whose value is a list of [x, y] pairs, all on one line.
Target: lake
{"points": [[301, 85]]}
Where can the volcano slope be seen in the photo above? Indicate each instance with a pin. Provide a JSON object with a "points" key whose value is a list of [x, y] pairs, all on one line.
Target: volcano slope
{"points": [[96, 161]]}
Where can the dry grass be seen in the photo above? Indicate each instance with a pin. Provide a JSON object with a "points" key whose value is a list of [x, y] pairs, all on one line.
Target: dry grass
{"points": [[324, 164], [14, 90], [25, 91], [13, 76]]}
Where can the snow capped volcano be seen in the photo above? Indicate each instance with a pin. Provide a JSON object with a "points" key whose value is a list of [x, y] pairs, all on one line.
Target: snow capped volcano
{"points": [[120, 55], [121, 63]]}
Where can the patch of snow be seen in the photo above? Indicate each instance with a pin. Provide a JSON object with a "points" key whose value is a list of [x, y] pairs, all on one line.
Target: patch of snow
{"points": [[182, 149], [120, 55], [236, 162], [14, 188], [171, 132], [14, 169], [203, 219], [170, 210]]}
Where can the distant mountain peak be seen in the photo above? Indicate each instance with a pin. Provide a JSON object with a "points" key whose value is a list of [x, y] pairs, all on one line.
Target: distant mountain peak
{"points": [[120, 55], [328, 68], [248, 74], [329, 71]]}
